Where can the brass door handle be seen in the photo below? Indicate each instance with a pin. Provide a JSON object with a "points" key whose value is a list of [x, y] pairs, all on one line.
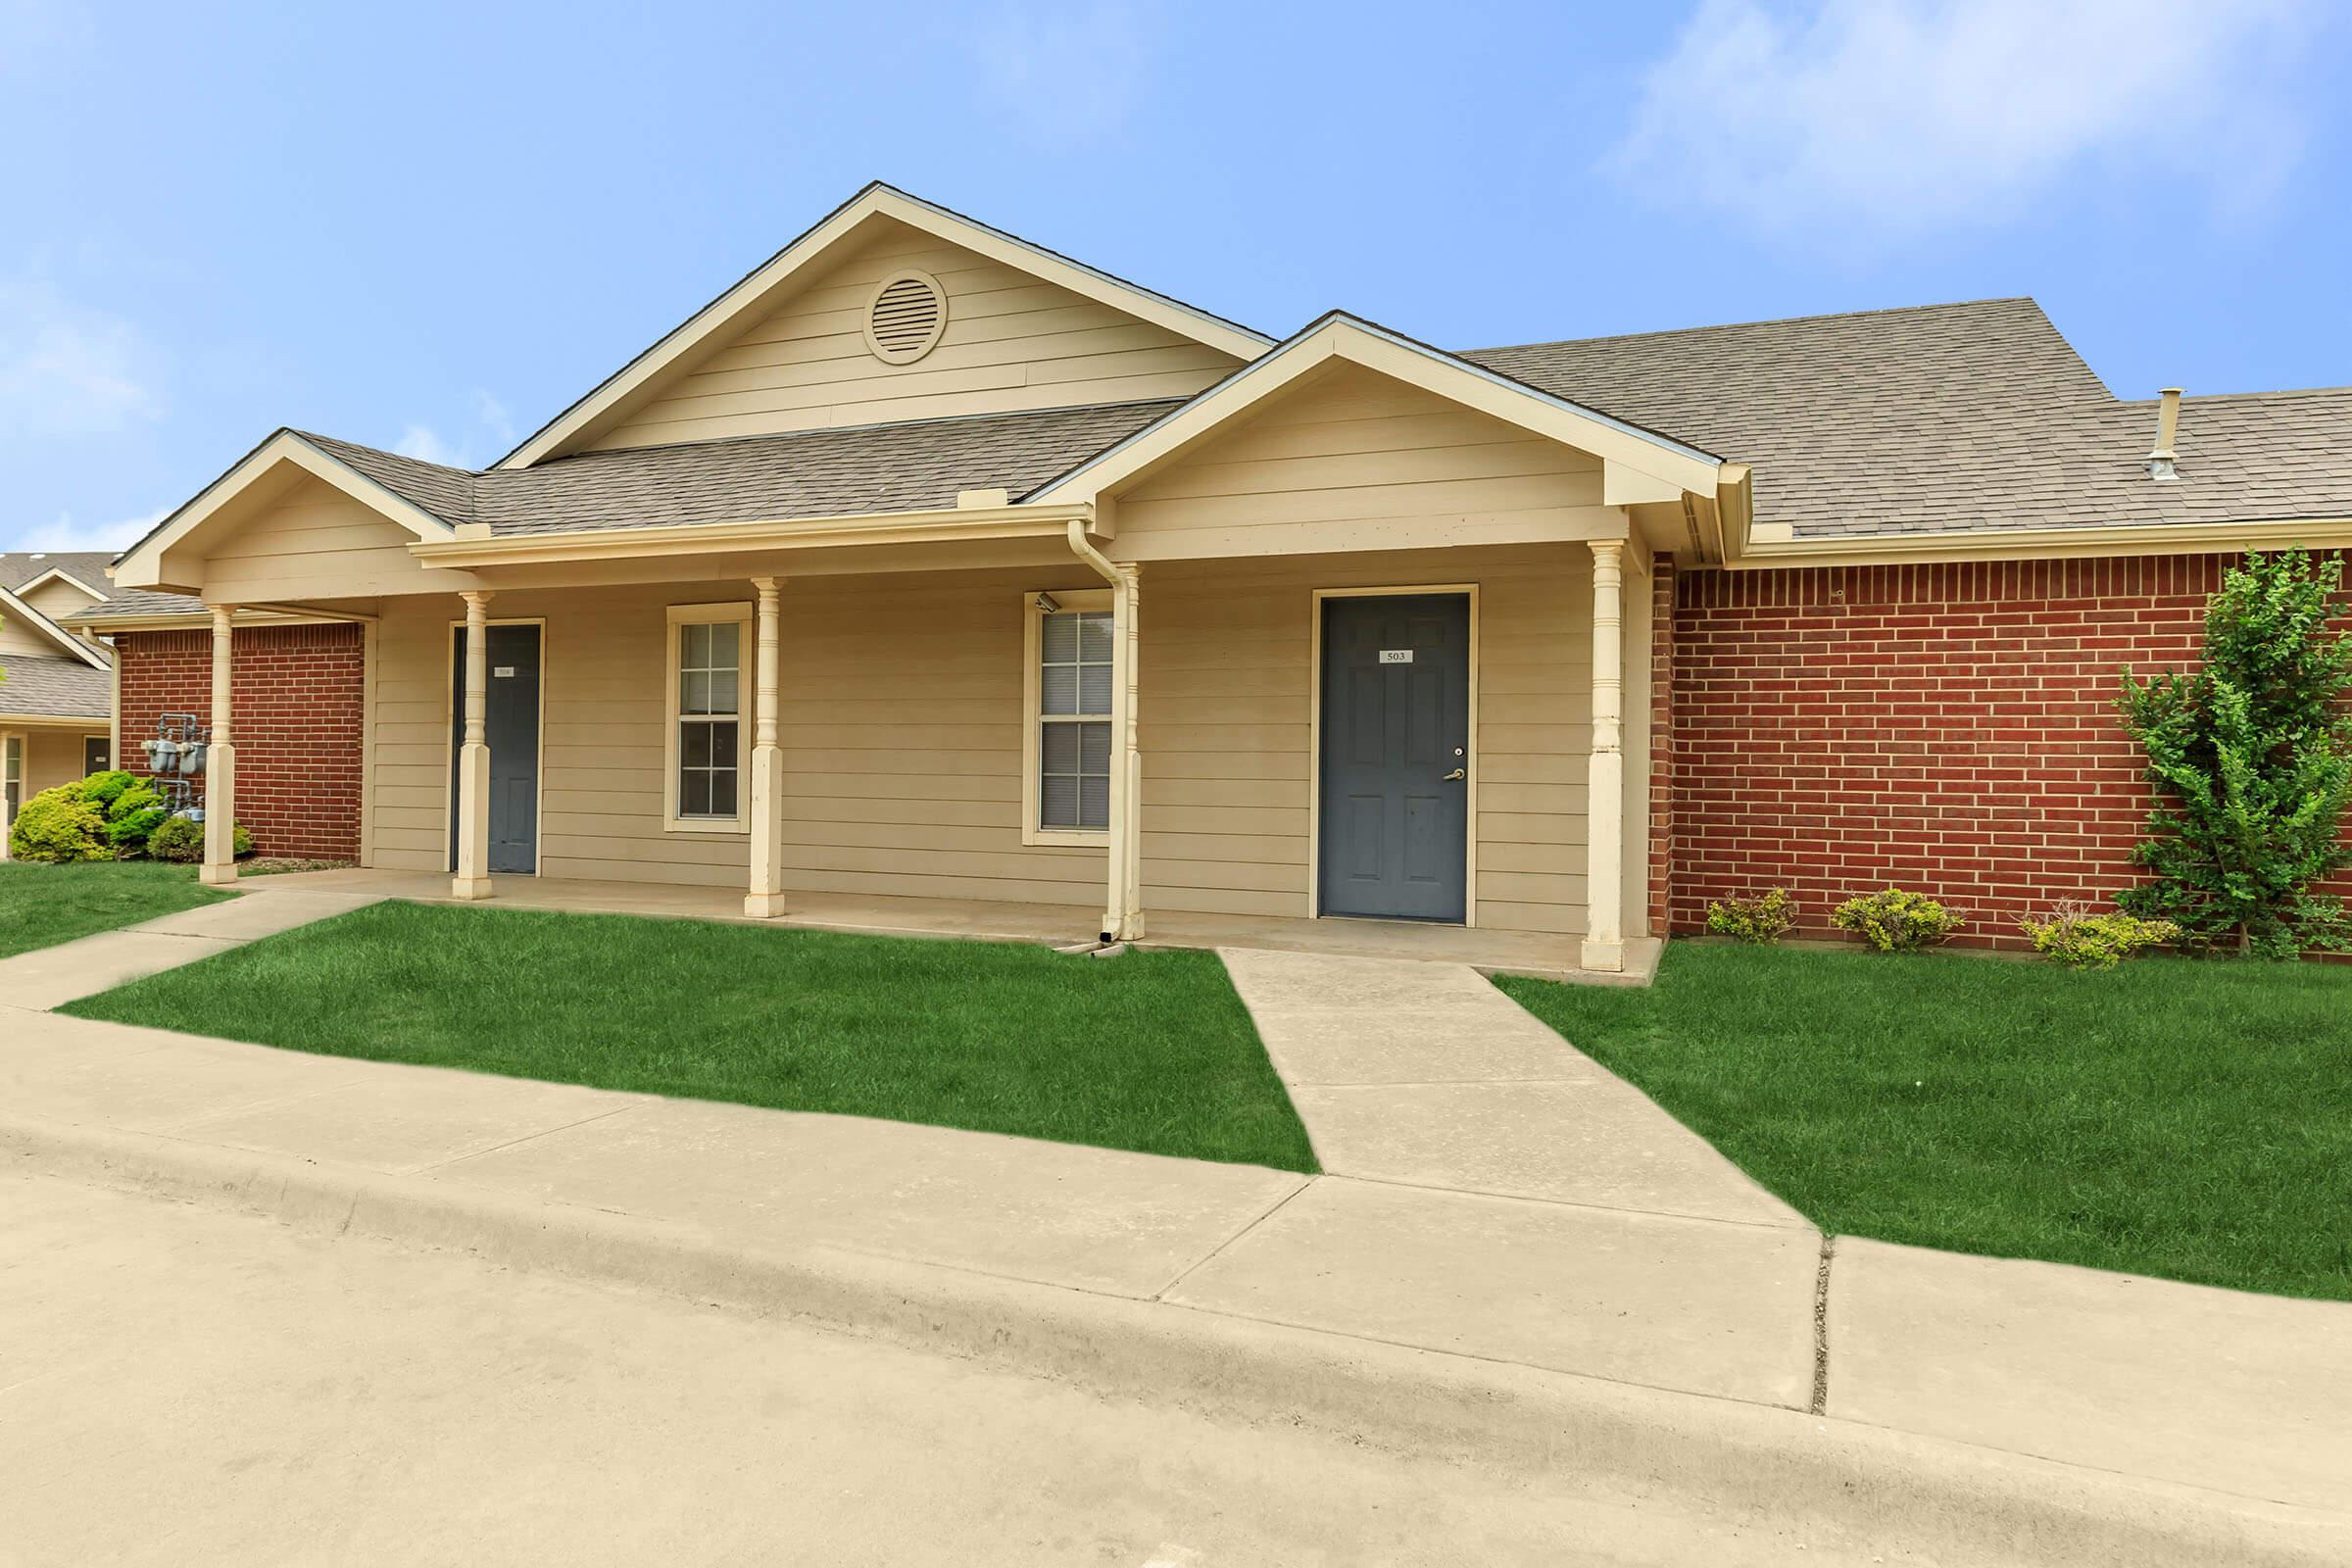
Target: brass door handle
{"points": [[1456, 776]]}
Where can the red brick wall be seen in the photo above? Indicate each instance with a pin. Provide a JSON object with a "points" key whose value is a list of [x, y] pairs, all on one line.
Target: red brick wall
{"points": [[1661, 744], [1948, 728], [295, 710]]}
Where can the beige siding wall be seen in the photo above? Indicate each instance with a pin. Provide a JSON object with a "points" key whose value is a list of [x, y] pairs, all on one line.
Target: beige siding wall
{"points": [[18, 636], [317, 542], [902, 733], [1011, 342], [54, 757], [56, 598], [1359, 458]]}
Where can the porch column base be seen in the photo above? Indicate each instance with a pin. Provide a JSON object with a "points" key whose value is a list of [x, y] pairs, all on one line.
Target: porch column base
{"points": [[473, 880], [766, 905], [1608, 958], [219, 866], [470, 888]]}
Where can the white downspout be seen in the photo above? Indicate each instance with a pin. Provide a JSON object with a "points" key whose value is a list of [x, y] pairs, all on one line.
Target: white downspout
{"points": [[1123, 916]]}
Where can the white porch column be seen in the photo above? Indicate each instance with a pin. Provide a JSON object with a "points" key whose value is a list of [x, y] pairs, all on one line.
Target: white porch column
{"points": [[766, 897], [219, 866], [1124, 919], [1604, 795], [473, 879]]}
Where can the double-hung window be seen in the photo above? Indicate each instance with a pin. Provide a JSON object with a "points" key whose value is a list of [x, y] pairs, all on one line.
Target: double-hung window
{"points": [[706, 753], [1065, 795]]}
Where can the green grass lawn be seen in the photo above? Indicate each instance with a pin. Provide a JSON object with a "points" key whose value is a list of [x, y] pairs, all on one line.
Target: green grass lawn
{"points": [[1149, 1051], [42, 905], [2169, 1117]]}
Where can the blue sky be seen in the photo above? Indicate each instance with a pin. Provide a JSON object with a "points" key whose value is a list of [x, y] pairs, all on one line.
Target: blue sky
{"points": [[432, 225]]}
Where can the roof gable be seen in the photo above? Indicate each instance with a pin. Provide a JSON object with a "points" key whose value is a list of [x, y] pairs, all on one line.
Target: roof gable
{"points": [[1639, 466], [877, 222], [15, 611], [278, 465]]}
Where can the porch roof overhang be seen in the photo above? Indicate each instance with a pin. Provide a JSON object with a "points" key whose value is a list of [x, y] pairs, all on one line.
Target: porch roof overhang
{"points": [[474, 545]]}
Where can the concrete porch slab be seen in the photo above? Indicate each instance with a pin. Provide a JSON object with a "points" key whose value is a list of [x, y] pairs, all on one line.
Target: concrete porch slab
{"points": [[1689, 1304], [2212, 1388]]}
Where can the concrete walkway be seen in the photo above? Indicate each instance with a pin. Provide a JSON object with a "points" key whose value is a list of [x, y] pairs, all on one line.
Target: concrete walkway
{"points": [[1490, 1195]]}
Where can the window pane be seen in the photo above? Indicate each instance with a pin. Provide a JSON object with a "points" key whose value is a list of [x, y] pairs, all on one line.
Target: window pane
{"points": [[1094, 637], [694, 647], [724, 641], [1061, 748], [1094, 802], [1057, 803], [1094, 754], [694, 745], [1058, 689], [723, 695], [723, 745], [1093, 689], [723, 794], [694, 794], [1060, 638], [694, 692]]}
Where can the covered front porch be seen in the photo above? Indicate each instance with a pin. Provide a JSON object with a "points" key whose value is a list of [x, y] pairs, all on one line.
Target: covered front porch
{"points": [[984, 920]]}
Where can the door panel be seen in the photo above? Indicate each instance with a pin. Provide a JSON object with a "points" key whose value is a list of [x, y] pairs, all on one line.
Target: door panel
{"points": [[1395, 705], [513, 712]]}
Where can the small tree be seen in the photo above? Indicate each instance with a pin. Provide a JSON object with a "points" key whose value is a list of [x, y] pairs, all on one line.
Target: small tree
{"points": [[2255, 752]]}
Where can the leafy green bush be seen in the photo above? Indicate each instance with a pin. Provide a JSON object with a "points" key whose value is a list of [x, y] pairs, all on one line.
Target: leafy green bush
{"points": [[2075, 937], [2254, 750], [59, 825], [132, 817], [1896, 921], [181, 839], [1761, 918], [102, 789]]}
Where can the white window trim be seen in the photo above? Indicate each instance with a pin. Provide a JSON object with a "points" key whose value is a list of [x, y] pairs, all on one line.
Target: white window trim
{"points": [[1033, 716], [706, 615]]}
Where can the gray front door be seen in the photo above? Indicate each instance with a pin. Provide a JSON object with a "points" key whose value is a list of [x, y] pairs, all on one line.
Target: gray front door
{"points": [[1395, 796], [513, 723]]}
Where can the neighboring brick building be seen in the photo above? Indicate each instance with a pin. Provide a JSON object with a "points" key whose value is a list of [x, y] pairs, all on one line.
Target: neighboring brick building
{"points": [[297, 693]]}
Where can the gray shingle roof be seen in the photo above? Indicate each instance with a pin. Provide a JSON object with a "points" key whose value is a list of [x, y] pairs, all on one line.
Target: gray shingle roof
{"points": [[1949, 417], [140, 602], [20, 566], [804, 473], [55, 687]]}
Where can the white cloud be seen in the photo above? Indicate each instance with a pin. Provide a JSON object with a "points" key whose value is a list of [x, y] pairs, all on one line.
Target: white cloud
{"points": [[493, 418], [1902, 115], [1064, 73], [64, 533], [66, 371], [423, 443]]}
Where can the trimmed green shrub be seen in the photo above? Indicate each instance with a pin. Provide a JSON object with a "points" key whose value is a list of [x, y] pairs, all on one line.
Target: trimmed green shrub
{"points": [[105, 788], [178, 837], [59, 825], [1761, 918], [1896, 921], [2253, 752], [2077, 939], [181, 839]]}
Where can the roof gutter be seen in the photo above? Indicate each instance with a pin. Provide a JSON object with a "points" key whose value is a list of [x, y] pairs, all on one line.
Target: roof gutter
{"points": [[2050, 544], [476, 546]]}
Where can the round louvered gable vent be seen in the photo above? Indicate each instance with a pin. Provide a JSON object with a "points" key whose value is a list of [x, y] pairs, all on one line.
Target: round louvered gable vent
{"points": [[909, 312]]}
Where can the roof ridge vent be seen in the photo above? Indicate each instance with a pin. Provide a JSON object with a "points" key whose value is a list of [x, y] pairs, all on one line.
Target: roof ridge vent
{"points": [[905, 317], [2161, 464]]}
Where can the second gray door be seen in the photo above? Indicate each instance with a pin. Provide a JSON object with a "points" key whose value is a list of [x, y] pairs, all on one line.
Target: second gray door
{"points": [[513, 714], [1395, 765]]}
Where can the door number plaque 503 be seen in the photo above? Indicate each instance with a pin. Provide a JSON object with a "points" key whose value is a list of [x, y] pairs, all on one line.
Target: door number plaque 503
{"points": [[1396, 656]]}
